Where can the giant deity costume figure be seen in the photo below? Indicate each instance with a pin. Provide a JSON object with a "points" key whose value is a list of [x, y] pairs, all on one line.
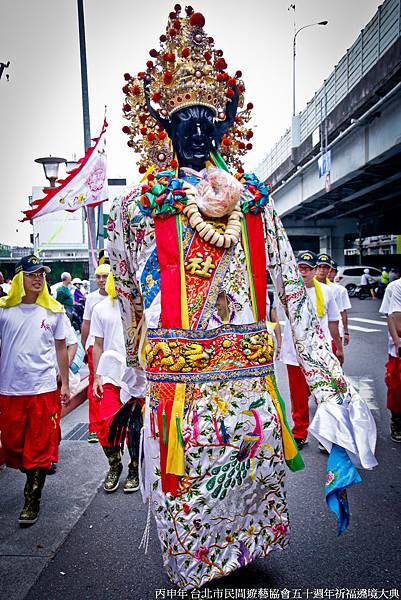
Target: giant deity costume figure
{"points": [[190, 249]]}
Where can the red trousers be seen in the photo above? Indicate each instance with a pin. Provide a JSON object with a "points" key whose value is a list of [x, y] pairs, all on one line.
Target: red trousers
{"points": [[393, 382], [29, 428], [93, 402], [299, 392], [107, 407]]}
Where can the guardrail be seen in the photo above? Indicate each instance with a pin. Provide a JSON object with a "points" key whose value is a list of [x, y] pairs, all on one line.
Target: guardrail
{"points": [[380, 33]]}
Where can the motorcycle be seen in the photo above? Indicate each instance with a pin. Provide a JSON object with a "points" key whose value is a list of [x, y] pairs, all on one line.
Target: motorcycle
{"points": [[362, 292]]}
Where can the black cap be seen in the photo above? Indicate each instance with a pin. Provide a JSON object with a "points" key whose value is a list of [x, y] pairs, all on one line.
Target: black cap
{"points": [[307, 257], [29, 264], [333, 264], [324, 259]]}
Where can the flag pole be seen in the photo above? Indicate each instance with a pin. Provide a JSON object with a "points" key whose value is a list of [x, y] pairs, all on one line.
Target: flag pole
{"points": [[91, 222]]}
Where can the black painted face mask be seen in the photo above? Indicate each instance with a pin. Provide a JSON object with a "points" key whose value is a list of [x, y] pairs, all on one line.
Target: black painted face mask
{"points": [[193, 135]]}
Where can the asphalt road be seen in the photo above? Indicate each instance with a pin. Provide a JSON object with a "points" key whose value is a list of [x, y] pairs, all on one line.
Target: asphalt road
{"points": [[100, 558]]}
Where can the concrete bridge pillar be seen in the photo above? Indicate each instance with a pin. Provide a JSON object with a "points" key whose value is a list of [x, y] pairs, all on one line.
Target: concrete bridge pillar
{"points": [[334, 246]]}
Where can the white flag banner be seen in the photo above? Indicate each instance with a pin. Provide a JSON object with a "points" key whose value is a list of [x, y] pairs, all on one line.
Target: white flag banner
{"points": [[86, 185]]}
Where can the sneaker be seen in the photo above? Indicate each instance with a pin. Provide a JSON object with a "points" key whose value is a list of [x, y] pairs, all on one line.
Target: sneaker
{"points": [[395, 427], [395, 434], [53, 469], [112, 478], [131, 484], [92, 438], [301, 443], [30, 512]]}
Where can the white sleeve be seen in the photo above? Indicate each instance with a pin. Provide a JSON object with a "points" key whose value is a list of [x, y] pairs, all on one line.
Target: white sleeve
{"points": [[395, 301], [333, 314], [88, 308], [345, 301], [385, 305], [59, 328], [96, 328], [70, 337]]}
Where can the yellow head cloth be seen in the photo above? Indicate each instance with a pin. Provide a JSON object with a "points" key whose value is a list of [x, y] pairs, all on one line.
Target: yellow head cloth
{"points": [[103, 269], [319, 298], [17, 292], [110, 287]]}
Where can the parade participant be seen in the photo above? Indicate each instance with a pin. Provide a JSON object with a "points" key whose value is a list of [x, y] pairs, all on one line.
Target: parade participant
{"points": [[111, 381], [328, 314], [92, 299], [85, 287], [340, 295], [78, 294], [390, 305], [31, 333], [64, 294], [187, 242]]}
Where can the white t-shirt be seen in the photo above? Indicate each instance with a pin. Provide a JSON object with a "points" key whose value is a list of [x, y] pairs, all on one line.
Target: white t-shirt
{"points": [[106, 323], [365, 279], [70, 336], [91, 301], [385, 305], [343, 302], [331, 313], [27, 356], [386, 308]]}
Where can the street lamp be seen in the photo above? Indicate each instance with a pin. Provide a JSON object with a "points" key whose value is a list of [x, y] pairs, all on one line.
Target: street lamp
{"points": [[50, 167], [293, 58], [296, 120]]}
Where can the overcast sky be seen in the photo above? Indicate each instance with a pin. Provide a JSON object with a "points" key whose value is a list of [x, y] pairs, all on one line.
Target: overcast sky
{"points": [[40, 107]]}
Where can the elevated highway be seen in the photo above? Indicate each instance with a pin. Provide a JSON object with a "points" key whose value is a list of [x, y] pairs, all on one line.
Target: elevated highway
{"points": [[356, 117]]}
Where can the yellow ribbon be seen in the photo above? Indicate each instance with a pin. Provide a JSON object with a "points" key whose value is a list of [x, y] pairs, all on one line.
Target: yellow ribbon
{"points": [[289, 446], [183, 287], [17, 292], [175, 453], [319, 298], [110, 286]]}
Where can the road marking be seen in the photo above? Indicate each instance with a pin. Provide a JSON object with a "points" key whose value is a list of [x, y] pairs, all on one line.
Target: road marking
{"points": [[364, 329], [356, 327], [371, 321], [365, 387]]}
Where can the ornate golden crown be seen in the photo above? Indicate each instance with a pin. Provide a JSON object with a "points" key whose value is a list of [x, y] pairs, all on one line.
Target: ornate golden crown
{"points": [[187, 70]]}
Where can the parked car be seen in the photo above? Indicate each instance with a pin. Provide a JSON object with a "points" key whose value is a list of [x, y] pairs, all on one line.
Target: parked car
{"points": [[350, 277]]}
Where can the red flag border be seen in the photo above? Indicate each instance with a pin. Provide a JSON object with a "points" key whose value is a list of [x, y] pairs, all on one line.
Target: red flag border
{"points": [[42, 202]]}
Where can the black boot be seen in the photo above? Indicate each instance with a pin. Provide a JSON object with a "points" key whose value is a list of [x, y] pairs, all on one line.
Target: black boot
{"points": [[131, 484], [396, 427], [112, 478], [35, 480]]}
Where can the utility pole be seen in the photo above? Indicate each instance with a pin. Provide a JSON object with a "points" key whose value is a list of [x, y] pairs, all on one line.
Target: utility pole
{"points": [[90, 211]]}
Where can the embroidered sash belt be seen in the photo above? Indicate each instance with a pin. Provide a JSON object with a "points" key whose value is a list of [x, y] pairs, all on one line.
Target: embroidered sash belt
{"points": [[228, 352]]}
